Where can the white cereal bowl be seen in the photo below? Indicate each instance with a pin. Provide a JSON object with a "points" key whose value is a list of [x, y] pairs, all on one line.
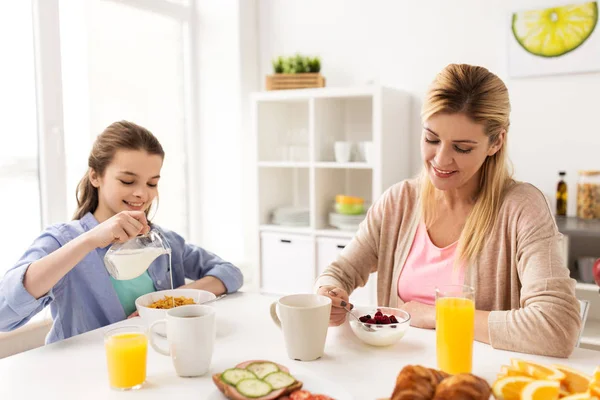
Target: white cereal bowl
{"points": [[149, 315], [384, 335]]}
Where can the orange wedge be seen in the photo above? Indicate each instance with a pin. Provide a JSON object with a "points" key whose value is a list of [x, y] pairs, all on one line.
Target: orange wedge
{"points": [[597, 375], [510, 387], [538, 371], [594, 389], [580, 396], [510, 371], [541, 390], [575, 381]]}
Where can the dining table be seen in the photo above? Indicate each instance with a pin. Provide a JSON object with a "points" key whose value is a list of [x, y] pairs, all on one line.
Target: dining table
{"points": [[76, 368]]}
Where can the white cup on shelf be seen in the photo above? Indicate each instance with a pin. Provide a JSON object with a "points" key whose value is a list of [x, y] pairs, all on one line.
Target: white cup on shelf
{"points": [[366, 151], [343, 151]]}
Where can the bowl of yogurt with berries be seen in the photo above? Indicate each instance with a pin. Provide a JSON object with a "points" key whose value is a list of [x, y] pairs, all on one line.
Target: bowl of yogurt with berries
{"points": [[385, 325]]}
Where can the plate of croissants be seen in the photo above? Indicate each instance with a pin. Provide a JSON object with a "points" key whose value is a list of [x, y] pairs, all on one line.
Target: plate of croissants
{"points": [[415, 382]]}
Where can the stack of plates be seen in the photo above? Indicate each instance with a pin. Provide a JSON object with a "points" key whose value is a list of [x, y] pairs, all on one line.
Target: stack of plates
{"points": [[291, 216], [345, 222]]}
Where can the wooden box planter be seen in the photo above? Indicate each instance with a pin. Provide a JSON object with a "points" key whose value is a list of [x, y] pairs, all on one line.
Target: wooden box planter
{"points": [[295, 81]]}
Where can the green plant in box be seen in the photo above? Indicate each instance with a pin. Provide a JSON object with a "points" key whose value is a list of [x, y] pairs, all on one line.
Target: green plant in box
{"points": [[297, 64], [278, 65], [314, 64]]}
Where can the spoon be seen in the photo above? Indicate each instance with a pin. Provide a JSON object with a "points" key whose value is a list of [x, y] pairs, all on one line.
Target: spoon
{"points": [[215, 299], [364, 326]]}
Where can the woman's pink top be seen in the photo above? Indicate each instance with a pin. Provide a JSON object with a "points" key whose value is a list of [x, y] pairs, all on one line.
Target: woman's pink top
{"points": [[426, 267]]}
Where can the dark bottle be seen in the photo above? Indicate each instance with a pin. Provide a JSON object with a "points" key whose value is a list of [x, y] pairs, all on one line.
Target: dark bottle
{"points": [[561, 195]]}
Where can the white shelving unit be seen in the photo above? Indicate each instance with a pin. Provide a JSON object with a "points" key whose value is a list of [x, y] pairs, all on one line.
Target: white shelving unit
{"points": [[295, 132]]}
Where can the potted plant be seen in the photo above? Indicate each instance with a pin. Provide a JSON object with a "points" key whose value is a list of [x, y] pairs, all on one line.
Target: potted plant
{"points": [[295, 72]]}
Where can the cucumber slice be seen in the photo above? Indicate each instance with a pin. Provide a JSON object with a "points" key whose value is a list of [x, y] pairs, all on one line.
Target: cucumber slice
{"points": [[234, 375], [253, 388], [279, 380], [262, 369]]}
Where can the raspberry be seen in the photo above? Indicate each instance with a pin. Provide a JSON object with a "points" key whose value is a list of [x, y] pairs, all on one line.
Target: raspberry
{"points": [[393, 319], [364, 318], [386, 320], [379, 313], [371, 321]]}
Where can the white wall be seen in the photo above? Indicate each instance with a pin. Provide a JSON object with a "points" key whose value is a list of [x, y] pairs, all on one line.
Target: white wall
{"points": [[405, 43]]}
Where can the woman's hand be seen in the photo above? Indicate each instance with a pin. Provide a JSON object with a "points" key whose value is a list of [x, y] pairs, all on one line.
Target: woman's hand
{"points": [[421, 315], [120, 228], [339, 302]]}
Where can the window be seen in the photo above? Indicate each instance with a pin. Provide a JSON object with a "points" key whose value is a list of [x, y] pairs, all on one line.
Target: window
{"points": [[135, 71], [20, 208]]}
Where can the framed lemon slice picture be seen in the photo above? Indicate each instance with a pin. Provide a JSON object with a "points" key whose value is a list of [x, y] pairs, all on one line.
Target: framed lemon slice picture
{"points": [[555, 40]]}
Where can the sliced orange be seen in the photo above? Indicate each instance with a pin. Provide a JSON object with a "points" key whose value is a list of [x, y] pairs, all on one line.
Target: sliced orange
{"points": [[580, 396], [510, 387], [594, 389], [541, 390], [538, 371], [510, 371], [575, 381], [597, 375]]}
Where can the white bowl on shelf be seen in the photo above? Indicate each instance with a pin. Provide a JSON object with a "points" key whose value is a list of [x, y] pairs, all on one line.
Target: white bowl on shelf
{"points": [[345, 222]]}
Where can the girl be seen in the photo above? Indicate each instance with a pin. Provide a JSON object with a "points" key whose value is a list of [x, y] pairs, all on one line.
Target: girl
{"points": [[64, 267], [466, 221]]}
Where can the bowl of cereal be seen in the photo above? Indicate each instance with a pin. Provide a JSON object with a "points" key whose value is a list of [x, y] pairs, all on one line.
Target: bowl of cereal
{"points": [[153, 306]]}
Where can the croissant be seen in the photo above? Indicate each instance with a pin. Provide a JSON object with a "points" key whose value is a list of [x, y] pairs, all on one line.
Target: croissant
{"points": [[463, 387], [415, 382]]}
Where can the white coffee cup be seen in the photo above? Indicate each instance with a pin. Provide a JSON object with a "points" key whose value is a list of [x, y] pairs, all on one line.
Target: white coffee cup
{"points": [[304, 319], [343, 151], [191, 332], [366, 151]]}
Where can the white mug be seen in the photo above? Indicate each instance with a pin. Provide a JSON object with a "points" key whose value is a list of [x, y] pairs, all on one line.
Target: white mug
{"points": [[342, 151], [304, 319], [191, 332], [366, 151]]}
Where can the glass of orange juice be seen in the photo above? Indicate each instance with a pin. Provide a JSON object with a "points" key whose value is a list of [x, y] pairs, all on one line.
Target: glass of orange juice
{"points": [[455, 328], [126, 350]]}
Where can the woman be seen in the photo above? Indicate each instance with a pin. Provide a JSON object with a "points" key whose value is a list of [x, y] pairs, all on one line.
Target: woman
{"points": [[465, 221], [64, 268]]}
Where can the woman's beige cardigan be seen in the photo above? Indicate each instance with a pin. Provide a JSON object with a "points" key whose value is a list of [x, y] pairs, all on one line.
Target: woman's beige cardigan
{"points": [[519, 276]]}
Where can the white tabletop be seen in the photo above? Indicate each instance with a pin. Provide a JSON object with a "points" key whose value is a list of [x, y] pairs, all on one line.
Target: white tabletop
{"points": [[76, 368]]}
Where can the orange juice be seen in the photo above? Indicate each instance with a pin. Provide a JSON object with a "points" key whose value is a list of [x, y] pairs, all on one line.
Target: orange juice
{"points": [[126, 359], [455, 330]]}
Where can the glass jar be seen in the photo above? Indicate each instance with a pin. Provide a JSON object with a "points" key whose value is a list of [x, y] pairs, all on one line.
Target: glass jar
{"points": [[131, 259], [588, 195]]}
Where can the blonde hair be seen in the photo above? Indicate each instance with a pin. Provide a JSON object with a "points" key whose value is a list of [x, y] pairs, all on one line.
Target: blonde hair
{"points": [[119, 135], [481, 96]]}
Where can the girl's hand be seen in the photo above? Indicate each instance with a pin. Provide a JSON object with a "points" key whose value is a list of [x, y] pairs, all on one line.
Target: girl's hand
{"points": [[120, 228], [339, 302], [421, 315]]}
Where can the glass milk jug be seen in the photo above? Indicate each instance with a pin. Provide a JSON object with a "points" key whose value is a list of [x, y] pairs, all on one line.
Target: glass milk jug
{"points": [[131, 259]]}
